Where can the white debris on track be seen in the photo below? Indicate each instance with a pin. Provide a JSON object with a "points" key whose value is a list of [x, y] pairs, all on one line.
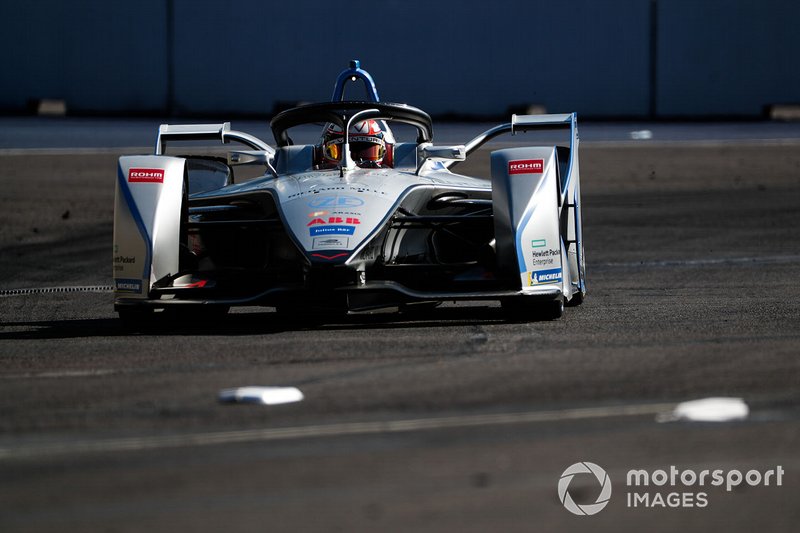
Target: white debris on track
{"points": [[261, 395], [708, 410]]}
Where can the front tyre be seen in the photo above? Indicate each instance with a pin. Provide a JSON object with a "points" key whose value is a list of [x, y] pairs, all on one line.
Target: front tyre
{"points": [[136, 318], [576, 300], [196, 314], [522, 309]]}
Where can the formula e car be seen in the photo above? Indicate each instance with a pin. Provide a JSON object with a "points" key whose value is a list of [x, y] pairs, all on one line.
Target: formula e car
{"points": [[329, 229]]}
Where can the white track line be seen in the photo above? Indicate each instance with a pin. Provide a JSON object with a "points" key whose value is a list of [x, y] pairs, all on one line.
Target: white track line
{"points": [[132, 444], [114, 150], [688, 143], [60, 374], [772, 259]]}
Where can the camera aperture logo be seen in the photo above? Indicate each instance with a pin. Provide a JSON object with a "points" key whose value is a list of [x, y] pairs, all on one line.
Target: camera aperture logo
{"points": [[670, 487], [587, 509]]}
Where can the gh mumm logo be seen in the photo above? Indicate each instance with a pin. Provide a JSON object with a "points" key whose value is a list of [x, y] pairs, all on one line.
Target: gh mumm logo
{"points": [[526, 166]]}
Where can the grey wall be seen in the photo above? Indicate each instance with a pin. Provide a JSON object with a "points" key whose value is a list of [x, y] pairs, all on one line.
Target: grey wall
{"points": [[629, 58]]}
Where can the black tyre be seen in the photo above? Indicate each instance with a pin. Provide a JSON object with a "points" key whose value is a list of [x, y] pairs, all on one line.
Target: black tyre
{"points": [[196, 314], [523, 310], [136, 318], [576, 300]]}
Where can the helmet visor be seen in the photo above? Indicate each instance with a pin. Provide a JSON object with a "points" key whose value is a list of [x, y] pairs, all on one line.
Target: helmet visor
{"points": [[366, 151], [333, 151]]}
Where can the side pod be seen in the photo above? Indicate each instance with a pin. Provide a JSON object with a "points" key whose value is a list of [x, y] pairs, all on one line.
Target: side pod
{"points": [[147, 221], [526, 198]]}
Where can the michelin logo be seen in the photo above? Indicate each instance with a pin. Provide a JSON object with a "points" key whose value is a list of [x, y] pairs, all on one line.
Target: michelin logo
{"points": [[129, 285], [545, 276]]}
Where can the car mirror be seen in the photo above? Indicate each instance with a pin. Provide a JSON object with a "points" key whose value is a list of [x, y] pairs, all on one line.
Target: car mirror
{"points": [[442, 153], [248, 157], [448, 153]]}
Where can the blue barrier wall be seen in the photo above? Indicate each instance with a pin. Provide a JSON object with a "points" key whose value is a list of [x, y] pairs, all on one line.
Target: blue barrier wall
{"points": [[723, 57], [97, 56], [622, 58]]}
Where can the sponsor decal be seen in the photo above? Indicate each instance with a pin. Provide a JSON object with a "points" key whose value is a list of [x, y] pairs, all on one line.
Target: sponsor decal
{"points": [[526, 166], [334, 191], [121, 260], [315, 214], [551, 252], [544, 257], [128, 285], [335, 220], [545, 276], [335, 201], [331, 242], [538, 243], [146, 175], [331, 230], [362, 139], [333, 226]]}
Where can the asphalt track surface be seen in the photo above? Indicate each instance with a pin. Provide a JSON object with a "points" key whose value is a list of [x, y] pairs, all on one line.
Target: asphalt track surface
{"points": [[449, 420]]}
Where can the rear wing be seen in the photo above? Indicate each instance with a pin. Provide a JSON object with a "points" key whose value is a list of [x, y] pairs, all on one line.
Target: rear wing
{"points": [[523, 123]]}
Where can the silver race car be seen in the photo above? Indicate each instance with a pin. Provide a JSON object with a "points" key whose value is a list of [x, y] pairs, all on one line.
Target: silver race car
{"points": [[354, 222]]}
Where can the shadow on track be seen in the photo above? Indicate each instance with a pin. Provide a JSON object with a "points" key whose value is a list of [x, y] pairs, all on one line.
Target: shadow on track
{"points": [[253, 323]]}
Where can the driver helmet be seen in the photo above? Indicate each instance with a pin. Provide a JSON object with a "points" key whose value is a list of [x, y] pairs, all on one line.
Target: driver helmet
{"points": [[368, 144]]}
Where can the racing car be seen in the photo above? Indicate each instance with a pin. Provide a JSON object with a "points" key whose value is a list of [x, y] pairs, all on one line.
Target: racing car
{"points": [[356, 221]]}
